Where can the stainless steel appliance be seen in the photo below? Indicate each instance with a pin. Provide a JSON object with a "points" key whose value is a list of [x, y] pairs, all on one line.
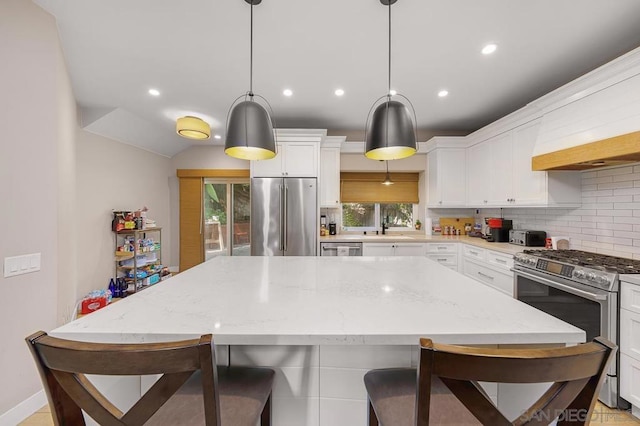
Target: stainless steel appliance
{"points": [[340, 249], [283, 216], [580, 288], [527, 238]]}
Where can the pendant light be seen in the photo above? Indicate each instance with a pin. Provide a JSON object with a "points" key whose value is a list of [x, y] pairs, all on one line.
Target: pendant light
{"points": [[391, 133], [193, 128], [387, 180], [250, 133]]}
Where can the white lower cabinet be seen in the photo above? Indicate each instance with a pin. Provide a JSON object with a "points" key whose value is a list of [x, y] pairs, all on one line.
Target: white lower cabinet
{"points": [[630, 345], [445, 254], [393, 249], [488, 267]]}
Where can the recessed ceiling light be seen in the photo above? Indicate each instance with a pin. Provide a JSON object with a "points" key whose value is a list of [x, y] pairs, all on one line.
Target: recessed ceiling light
{"points": [[443, 93], [287, 92], [217, 137], [154, 92], [393, 92], [489, 49], [339, 92]]}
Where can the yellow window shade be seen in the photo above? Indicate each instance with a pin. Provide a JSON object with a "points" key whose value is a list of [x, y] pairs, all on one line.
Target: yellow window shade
{"points": [[368, 188]]}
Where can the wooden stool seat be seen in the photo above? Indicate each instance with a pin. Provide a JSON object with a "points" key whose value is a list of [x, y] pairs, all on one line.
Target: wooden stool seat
{"points": [[191, 391], [445, 390]]}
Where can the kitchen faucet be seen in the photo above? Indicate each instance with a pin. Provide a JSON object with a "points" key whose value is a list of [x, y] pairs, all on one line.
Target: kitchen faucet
{"points": [[384, 227]]}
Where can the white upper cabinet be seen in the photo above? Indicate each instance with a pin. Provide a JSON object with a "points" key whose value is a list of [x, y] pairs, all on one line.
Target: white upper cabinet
{"points": [[293, 159], [446, 182], [499, 173], [330, 175], [478, 167]]}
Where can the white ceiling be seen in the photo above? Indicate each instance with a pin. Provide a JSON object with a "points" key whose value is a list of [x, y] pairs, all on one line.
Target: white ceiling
{"points": [[196, 52]]}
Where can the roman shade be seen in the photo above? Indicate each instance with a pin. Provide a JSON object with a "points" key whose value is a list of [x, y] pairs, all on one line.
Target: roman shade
{"points": [[368, 188]]}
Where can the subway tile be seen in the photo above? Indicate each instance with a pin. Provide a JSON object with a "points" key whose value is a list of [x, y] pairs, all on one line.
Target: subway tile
{"points": [[616, 199], [616, 226], [616, 171], [633, 206], [627, 234], [626, 191], [636, 183], [636, 228], [636, 169], [589, 200], [616, 185], [615, 212], [626, 178], [589, 187], [597, 245], [615, 240], [603, 193], [597, 180], [601, 232], [588, 175], [587, 212], [598, 219], [588, 225]]}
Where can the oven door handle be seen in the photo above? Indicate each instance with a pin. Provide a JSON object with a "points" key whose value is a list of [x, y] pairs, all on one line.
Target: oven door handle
{"points": [[595, 297]]}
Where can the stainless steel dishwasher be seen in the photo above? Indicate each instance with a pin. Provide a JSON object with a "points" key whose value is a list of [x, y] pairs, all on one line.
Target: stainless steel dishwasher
{"points": [[340, 249]]}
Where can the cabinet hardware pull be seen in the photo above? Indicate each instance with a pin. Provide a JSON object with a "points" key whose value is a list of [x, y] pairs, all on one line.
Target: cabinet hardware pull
{"points": [[475, 253], [501, 261], [485, 275], [442, 260]]}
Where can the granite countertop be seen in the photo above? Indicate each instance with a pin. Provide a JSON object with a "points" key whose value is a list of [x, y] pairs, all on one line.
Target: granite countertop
{"points": [[319, 301], [417, 237]]}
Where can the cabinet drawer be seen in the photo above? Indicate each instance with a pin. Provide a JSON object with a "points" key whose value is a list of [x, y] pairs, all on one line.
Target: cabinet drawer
{"points": [[444, 259], [630, 379], [442, 248], [474, 252], [630, 333], [500, 260], [498, 280], [630, 297]]}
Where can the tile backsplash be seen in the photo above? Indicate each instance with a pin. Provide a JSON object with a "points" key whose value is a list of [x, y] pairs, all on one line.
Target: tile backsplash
{"points": [[608, 221]]}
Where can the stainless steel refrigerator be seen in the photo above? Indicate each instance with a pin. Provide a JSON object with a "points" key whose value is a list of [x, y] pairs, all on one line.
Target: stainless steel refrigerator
{"points": [[283, 216]]}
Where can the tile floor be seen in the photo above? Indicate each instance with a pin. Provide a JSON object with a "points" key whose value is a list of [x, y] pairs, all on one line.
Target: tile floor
{"points": [[602, 415]]}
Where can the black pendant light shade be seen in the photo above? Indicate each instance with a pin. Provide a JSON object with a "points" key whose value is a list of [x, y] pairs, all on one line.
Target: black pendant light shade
{"points": [[391, 134], [250, 132], [249, 127]]}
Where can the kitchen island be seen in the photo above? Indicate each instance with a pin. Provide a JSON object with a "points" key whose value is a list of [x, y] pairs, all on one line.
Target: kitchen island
{"points": [[321, 322]]}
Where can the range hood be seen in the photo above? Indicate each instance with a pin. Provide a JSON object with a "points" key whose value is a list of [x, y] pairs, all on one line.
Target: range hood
{"points": [[612, 151]]}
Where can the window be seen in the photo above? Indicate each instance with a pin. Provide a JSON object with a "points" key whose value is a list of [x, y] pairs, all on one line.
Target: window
{"points": [[371, 216], [227, 210]]}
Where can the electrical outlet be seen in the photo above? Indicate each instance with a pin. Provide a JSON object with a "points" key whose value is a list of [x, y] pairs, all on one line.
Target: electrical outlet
{"points": [[24, 264]]}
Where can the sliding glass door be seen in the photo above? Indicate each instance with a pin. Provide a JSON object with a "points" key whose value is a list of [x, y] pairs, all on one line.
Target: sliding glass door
{"points": [[226, 210]]}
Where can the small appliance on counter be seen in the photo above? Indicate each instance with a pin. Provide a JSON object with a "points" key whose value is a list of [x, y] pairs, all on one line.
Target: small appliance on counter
{"points": [[527, 238], [332, 228], [499, 230]]}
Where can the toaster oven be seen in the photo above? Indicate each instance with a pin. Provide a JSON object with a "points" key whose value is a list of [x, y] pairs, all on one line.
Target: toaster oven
{"points": [[527, 238]]}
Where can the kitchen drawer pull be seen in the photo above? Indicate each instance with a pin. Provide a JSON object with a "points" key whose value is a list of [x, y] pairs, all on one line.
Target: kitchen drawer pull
{"points": [[442, 260], [501, 261], [442, 247], [485, 275], [475, 253]]}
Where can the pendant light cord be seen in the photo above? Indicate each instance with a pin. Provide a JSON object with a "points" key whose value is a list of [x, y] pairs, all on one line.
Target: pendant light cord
{"points": [[251, 56], [389, 82]]}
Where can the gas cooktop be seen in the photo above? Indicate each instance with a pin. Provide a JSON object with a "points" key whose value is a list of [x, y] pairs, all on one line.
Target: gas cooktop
{"points": [[597, 261]]}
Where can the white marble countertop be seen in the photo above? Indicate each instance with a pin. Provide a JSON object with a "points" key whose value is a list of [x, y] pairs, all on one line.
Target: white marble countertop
{"points": [[321, 300], [418, 237]]}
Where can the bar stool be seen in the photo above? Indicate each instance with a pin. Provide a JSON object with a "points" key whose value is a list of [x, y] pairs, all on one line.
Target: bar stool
{"points": [[445, 388], [191, 390]]}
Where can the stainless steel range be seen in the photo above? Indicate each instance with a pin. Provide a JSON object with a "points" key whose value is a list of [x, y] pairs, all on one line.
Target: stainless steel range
{"points": [[580, 288]]}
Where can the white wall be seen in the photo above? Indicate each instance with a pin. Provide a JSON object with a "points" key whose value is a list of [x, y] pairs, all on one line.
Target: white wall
{"points": [[37, 118], [114, 176]]}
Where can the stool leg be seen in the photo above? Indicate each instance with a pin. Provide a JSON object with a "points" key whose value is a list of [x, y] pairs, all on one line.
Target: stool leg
{"points": [[373, 419], [265, 417]]}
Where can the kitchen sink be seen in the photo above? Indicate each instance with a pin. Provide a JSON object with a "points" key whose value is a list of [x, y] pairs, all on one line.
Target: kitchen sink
{"points": [[373, 237]]}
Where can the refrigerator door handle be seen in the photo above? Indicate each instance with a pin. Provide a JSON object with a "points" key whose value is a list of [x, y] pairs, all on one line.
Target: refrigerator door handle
{"points": [[281, 245], [286, 228]]}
